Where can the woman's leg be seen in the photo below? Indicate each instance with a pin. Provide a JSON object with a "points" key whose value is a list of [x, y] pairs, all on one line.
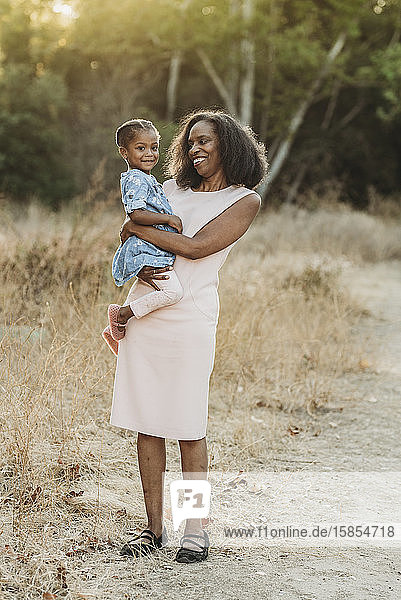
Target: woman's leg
{"points": [[194, 463], [152, 464]]}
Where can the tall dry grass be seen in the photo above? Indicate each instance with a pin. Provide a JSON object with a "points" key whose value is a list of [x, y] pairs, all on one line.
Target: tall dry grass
{"points": [[69, 481]]}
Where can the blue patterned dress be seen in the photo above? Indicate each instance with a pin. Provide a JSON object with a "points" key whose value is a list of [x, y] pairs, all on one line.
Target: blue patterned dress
{"points": [[139, 190]]}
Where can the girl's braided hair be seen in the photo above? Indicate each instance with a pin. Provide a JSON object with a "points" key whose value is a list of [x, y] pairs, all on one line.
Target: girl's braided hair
{"points": [[128, 131]]}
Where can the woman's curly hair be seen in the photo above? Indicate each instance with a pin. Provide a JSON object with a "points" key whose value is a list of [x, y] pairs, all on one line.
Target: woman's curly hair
{"points": [[243, 158]]}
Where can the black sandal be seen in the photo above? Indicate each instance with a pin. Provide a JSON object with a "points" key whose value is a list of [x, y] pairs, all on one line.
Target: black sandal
{"points": [[186, 555], [135, 547]]}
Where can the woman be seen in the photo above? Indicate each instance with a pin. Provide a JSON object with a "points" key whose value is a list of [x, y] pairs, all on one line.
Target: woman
{"points": [[165, 359]]}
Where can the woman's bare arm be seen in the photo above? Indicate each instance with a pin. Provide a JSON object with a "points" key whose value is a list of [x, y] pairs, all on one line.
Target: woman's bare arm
{"points": [[221, 232]]}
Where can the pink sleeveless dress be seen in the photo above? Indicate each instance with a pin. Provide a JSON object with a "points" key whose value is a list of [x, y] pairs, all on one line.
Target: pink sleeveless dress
{"points": [[166, 358]]}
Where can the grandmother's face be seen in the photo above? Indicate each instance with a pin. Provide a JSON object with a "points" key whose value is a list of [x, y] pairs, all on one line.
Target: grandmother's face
{"points": [[204, 149]]}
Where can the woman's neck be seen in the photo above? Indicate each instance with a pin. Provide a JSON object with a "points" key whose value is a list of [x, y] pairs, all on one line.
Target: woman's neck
{"points": [[213, 184]]}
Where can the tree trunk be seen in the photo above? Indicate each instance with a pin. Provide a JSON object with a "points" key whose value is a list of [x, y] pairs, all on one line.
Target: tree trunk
{"points": [[324, 126], [298, 117], [270, 66], [247, 84], [292, 192], [331, 105], [218, 82], [175, 66], [233, 75], [172, 84]]}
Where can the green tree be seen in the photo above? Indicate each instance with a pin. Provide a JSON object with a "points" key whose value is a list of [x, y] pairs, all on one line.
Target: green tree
{"points": [[32, 99]]}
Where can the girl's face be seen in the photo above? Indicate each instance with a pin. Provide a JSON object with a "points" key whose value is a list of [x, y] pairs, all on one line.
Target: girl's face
{"points": [[204, 149], [143, 151]]}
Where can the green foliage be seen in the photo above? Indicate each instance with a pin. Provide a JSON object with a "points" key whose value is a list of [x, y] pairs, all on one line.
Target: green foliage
{"points": [[15, 34], [385, 72], [67, 83], [32, 100], [31, 137]]}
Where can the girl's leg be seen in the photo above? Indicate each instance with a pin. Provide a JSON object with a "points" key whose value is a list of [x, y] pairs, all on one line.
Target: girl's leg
{"points": [[152, 464], [194, 463], [170, 292]]}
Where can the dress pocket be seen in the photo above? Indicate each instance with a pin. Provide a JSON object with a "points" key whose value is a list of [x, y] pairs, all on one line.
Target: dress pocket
{"points": [[205, 299]]}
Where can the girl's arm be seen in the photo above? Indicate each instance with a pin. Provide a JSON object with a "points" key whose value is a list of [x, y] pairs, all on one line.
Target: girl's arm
{"points": [[135, 191], [141, 216], [221, 232]]}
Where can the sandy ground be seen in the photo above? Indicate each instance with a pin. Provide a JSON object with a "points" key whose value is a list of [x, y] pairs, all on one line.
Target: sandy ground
{"points": [[359, 432]]}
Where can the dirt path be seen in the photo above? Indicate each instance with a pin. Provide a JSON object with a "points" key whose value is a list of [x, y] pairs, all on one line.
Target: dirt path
{"points": [[359, 433], [362, 428]]}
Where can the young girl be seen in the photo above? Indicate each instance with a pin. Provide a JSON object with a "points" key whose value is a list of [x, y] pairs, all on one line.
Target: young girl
{"points": [[146, 204]]}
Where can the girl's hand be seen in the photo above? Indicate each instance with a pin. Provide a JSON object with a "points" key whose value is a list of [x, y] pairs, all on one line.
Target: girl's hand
{"points": [[175, 222], [149, 274]]}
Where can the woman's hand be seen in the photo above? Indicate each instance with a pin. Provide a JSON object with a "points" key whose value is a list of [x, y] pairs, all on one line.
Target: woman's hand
{"points": [[127, 229], [149, 274]]}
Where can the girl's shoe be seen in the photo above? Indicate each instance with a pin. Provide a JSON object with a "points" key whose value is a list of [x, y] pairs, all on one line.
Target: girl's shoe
{"points": [[185, 555], [135, 547], [110, 341], [113, 312]]}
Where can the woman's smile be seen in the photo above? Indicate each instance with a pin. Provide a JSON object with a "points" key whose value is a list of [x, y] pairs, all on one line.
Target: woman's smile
{"points": [[198, 160], [204, 149]]}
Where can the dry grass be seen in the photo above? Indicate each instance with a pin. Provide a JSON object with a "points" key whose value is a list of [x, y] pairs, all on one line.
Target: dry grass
{"points": [[69, 481], [337, 232]]}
